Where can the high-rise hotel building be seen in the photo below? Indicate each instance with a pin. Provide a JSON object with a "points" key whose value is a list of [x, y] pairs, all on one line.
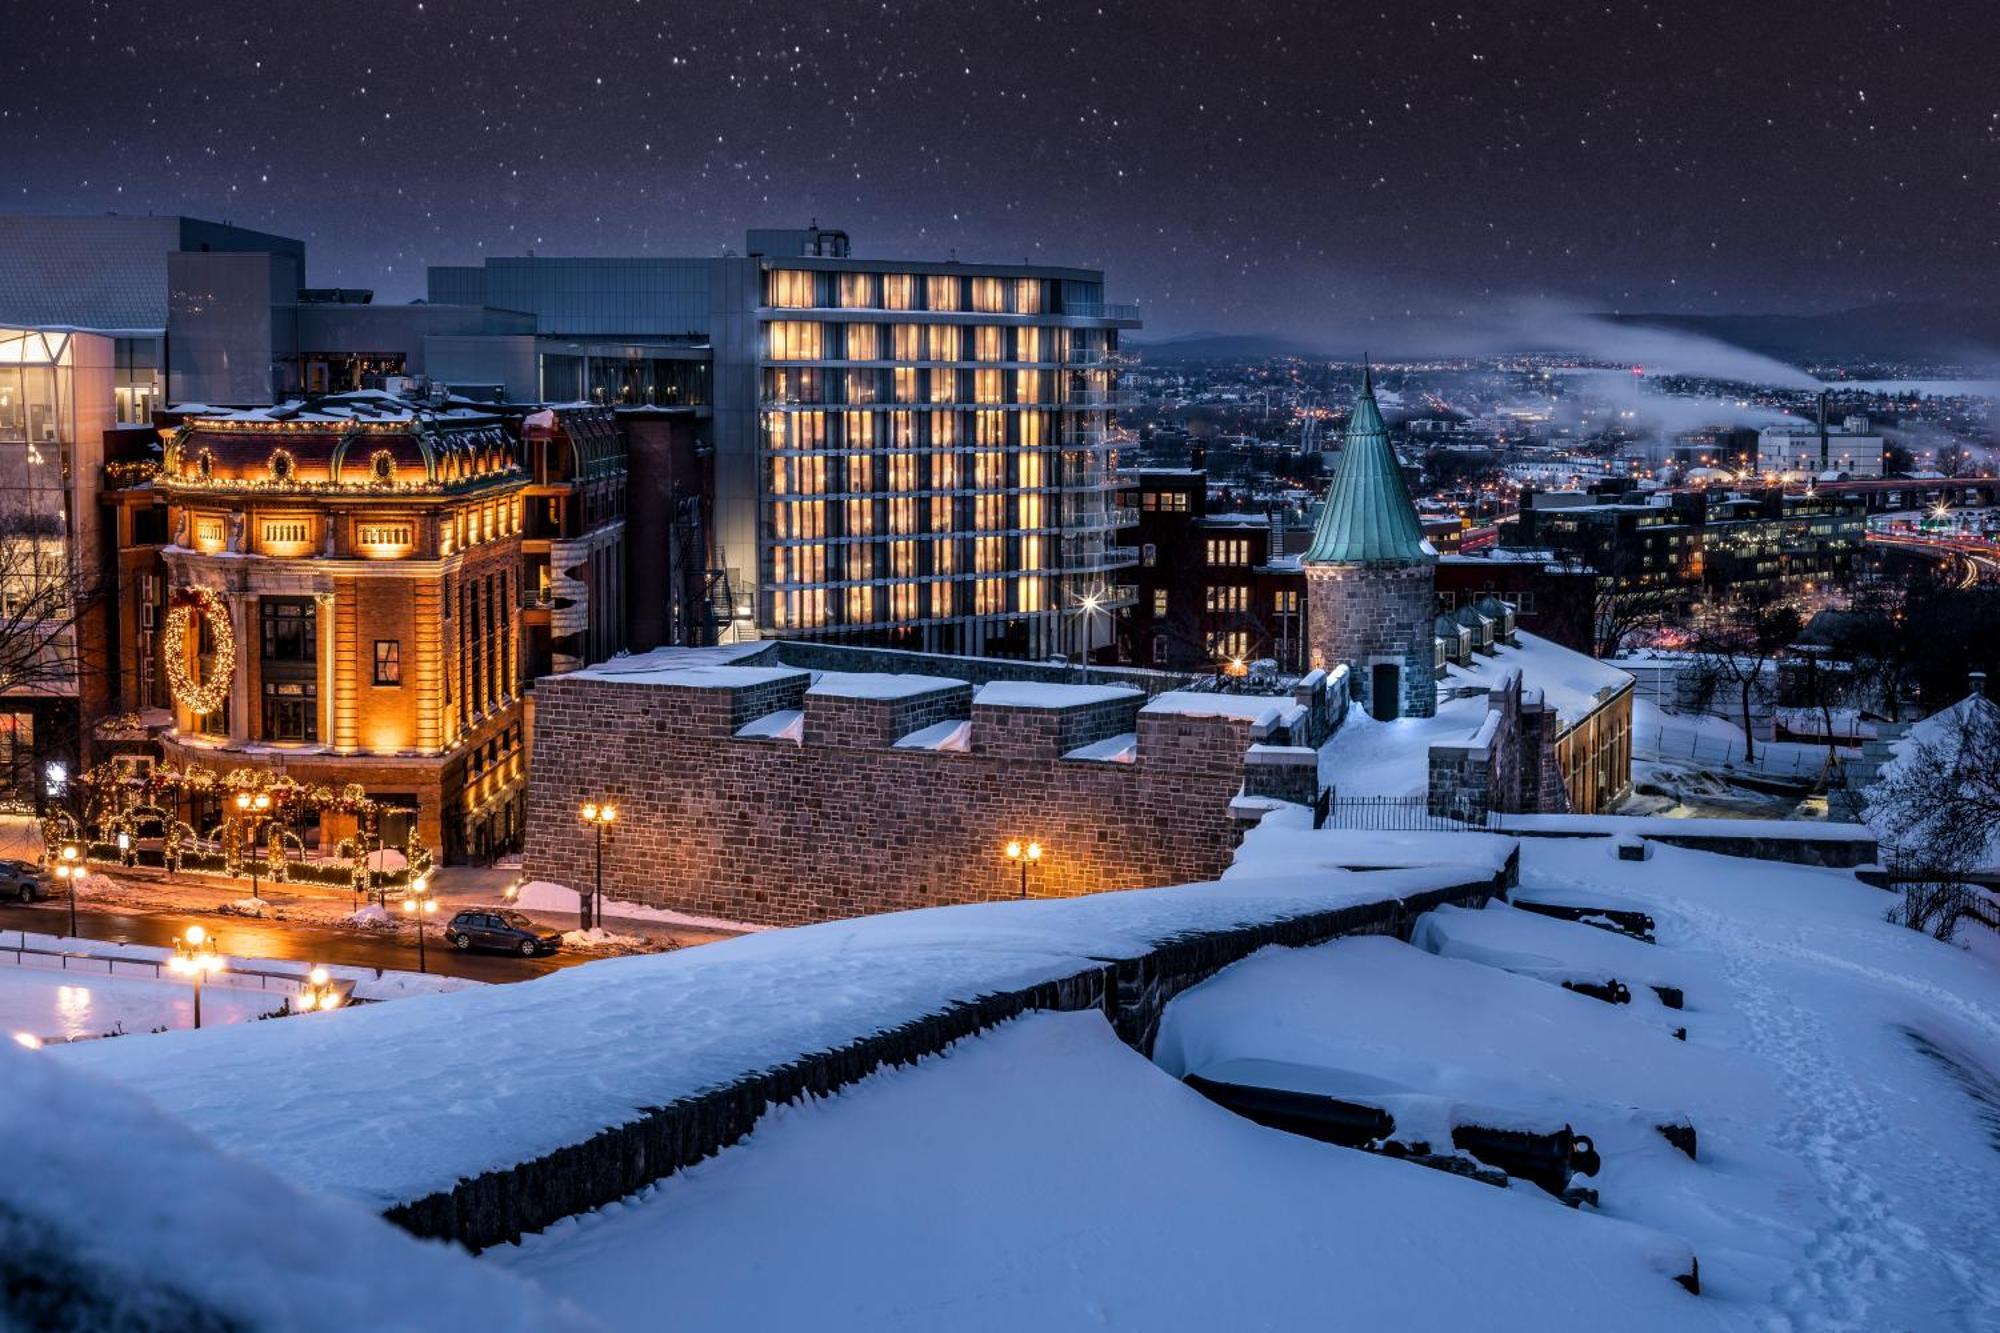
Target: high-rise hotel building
{"points": [[906, 454]]}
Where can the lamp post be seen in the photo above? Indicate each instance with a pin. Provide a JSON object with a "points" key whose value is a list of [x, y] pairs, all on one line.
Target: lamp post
{"points": [[125, 857], [69, 867], [599, 817], [319, 992], [253, 807], [195, 956], [418, 904], [1024, 855]]}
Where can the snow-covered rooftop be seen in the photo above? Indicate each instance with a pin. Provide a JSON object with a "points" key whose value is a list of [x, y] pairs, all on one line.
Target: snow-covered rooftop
{"points": [[877, 685], [1038, 694], [1255, 708]]}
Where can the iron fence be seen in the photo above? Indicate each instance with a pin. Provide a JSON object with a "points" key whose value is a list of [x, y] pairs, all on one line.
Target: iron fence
{"points": [[1401, 814]]}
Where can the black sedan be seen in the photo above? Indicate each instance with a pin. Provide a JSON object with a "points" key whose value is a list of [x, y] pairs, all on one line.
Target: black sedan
{"points": [[492, 928]]}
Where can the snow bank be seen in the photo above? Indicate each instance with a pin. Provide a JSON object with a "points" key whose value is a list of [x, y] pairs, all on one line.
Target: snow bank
{"points": [[541, 895], [115, 1216], [1043, 1176], [507, 1074]]}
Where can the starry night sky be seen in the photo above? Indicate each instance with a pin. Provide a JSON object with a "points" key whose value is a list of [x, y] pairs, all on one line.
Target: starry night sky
{"points": [[1244, 166]]}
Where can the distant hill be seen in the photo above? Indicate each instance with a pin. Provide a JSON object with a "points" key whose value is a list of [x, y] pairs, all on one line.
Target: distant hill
{"points": [[1965, 332], [1219, 347]]}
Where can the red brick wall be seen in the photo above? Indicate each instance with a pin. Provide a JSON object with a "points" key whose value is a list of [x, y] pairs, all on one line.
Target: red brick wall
{"points": [[781, 833]]}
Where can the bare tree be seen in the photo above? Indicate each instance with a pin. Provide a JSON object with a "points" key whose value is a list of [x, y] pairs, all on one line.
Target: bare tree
{"points": [[1630, 601], [1938, 812], [1733, 641], [42, 603]]}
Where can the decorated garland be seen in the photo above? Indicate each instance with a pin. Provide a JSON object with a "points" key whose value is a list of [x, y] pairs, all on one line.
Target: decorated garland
{"points": [[199, 696]]}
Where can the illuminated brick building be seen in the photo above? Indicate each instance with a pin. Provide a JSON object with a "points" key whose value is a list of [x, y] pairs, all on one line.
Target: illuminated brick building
{"points": [[344, 589]]}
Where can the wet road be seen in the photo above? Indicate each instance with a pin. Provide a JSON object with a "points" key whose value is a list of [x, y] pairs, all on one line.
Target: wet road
{"points": [[264, 939]]}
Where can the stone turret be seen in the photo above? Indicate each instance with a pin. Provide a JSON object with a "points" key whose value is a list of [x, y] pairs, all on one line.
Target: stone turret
{"points": [[1371, 578]]}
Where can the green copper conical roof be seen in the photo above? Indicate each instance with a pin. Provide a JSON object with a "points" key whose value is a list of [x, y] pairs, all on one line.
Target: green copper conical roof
{"points": [[1368, 516]]}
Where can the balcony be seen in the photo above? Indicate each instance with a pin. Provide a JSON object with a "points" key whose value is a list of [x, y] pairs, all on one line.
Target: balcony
{"points": [[1098, 559], [1101, 519], [1118, 310], [1108, 400]]}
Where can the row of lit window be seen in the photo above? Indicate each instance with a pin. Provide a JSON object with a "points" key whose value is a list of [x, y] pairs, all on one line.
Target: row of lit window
{"points": [[808, 562], [810, 340], [800, 289], [806, 520], [874, 604], [905, 430], [905, 384], [990, 470]]}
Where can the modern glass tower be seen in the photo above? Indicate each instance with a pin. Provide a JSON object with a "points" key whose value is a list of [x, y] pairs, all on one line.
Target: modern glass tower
{"points": [[917, 455]]}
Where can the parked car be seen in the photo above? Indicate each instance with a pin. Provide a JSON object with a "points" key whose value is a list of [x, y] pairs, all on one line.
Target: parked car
{"points": [[493, 928], [21, 880]]}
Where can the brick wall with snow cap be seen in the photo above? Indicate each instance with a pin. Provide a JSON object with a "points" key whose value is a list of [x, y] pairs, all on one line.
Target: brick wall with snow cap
{"points": [[781, 796]]}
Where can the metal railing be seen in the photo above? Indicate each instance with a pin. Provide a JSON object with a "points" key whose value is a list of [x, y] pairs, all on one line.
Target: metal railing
{"points": [[1783, 758], [1400, 814], [1100, 309]]}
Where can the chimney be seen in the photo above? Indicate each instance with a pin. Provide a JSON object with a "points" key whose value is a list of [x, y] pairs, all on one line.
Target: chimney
{"points": [[1975, 683], [1824, 452]]}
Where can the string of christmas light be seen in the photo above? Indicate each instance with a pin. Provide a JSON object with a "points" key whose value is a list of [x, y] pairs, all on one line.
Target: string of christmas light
{"points": [[200, 697]]}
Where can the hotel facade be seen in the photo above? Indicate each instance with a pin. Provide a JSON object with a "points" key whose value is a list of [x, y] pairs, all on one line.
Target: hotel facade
{"points": [[343, 605]]}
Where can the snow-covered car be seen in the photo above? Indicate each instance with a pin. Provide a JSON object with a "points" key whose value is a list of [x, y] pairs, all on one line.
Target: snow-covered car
{"points": [[21, 881], [492, 928]]}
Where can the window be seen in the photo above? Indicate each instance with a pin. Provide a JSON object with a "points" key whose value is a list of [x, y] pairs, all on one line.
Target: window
{"points": [[1159, 648], [1149, 555], [899, 291], [1228, 551], [797, 340], [862, 343], [388, 661], [944, 342], [857, 290], [1159, 602], [290, 633], [291, 711], [989, 294], [1149, 501], [792, 289], [988, 343], [1227, 597], [941, 292]]}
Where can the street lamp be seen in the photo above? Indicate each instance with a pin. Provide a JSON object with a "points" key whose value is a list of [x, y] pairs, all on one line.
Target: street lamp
{"points": [[195, 956], [319, 992], [418, 904], [1024, 855], [253, 807], [599, 817], [70, 868]]}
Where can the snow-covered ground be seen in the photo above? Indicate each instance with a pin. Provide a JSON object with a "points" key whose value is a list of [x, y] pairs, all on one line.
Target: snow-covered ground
{"points": [[78, 1004], [1044, 1176], [115, 1216], [500, 1075], [115, 989]]}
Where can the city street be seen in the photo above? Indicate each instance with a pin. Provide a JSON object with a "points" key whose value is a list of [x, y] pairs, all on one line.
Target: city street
{"points": [[276, 939]]}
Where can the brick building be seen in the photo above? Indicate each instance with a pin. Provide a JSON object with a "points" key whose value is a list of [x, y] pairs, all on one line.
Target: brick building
{"points": [[344, 593], [1210, 588], [753, 789]]}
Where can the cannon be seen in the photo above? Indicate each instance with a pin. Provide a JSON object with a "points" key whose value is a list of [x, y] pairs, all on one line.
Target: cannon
{"points": [[1547, 1160], [1613, 991], [1622, 920], [1310, 1115]]}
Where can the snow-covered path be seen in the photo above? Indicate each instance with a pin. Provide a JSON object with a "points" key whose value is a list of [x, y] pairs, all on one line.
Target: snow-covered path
{"points": [[1898, 1225]]}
